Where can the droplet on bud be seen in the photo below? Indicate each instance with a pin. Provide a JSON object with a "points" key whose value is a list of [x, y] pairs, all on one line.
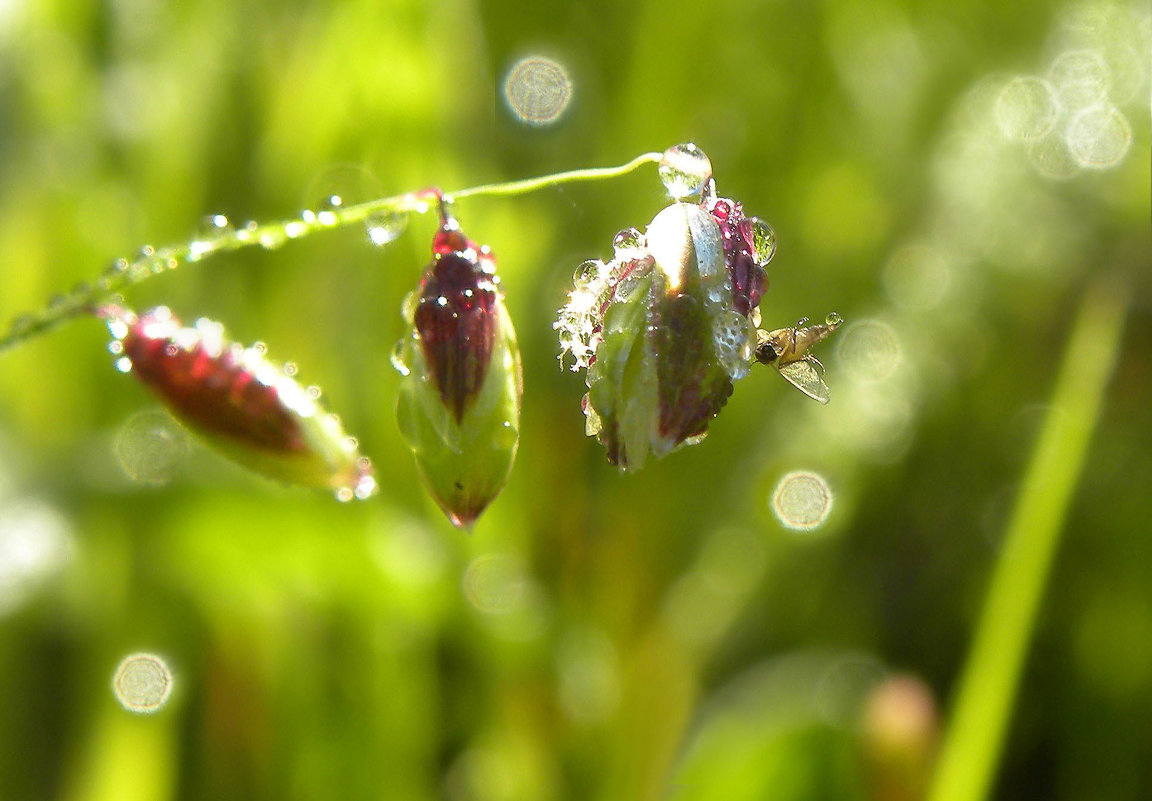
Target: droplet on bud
{"points": [[684, 170], [628, 244], [833, 320], [589, 272], [763, 241]]}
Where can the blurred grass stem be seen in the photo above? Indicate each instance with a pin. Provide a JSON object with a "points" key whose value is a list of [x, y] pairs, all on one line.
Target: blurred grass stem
{"points": [[987, 688]]}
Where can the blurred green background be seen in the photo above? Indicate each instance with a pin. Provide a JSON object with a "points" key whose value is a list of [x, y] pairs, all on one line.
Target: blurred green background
{"points": [[597, 636]]}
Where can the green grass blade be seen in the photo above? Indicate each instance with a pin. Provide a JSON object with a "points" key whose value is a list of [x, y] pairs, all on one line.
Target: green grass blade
{"points": [[987, 688]]}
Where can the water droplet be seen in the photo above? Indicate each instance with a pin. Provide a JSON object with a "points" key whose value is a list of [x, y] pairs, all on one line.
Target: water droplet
{"points": [[272, 238], [1099, 137], [732, 337], [628, 244], [589, 272], [259, 347], [385, 226], [802, 501], [833, 320], [345, 494], [626, 288], [684, 169], [290, 369], [118, 267], [314, 392], [409, 305], [214, 225], [763, 241], [142, 683], [398, 357], [147, 251], [537, 90], [1026, 108]]}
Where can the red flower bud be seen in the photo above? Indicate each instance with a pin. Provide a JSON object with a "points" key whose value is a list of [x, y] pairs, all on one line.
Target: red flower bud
{"points": [[459, 405], [244, 405]]}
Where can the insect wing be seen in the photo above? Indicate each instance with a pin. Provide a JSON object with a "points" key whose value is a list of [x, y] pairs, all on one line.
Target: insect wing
{"points": [[803, 375]]}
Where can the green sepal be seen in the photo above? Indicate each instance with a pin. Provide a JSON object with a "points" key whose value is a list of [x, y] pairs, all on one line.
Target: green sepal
{"points": [[465, 464]]}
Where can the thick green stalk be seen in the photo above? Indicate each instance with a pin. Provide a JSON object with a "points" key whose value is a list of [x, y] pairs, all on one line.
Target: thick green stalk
{"points": [[987, 688]]}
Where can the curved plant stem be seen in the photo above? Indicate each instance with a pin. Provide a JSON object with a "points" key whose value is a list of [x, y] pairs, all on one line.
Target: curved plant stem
{"points": [[222, 237], [987, 687]]}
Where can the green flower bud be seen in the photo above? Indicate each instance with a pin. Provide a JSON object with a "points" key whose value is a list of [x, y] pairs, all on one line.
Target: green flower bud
{"points": [[661, 334], [459, 404]]}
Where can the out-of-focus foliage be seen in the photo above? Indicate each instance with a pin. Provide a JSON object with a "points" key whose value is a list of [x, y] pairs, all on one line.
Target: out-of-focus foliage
{"points": [[947, 176]]}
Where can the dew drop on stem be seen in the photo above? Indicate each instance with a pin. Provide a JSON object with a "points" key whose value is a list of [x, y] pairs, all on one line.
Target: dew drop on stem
{"points": [[684, 170], [385, 226]]}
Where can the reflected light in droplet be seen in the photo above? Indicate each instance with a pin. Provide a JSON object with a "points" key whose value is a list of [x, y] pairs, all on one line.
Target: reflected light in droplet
{"points": [[1098, 137], [1026, 108], [537, 90], [802, 500], [869, 350], [150, 446], [142, 683]]}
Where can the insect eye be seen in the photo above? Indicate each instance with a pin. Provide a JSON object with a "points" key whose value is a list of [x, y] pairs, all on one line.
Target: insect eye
{"points": [[765, 353]]}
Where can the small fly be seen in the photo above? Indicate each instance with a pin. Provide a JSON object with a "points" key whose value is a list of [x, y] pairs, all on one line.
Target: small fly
{"points": [[786, 349]]}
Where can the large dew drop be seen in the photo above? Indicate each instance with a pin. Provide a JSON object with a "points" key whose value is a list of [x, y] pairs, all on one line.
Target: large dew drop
{"points": [[763, 241], [684, 169], [386, 226]]}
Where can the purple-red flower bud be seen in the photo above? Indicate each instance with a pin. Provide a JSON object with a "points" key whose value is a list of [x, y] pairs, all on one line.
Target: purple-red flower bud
{"points": [[459, 405], [244, 405]]}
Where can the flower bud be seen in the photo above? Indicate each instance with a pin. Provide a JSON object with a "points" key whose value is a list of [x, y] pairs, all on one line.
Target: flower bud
{"points": [[666, 326], [245, 406], [459, 404]]}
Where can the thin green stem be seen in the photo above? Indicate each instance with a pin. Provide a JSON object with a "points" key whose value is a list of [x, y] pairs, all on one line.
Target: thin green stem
{"points": [[988, 685], [221, 237]]}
